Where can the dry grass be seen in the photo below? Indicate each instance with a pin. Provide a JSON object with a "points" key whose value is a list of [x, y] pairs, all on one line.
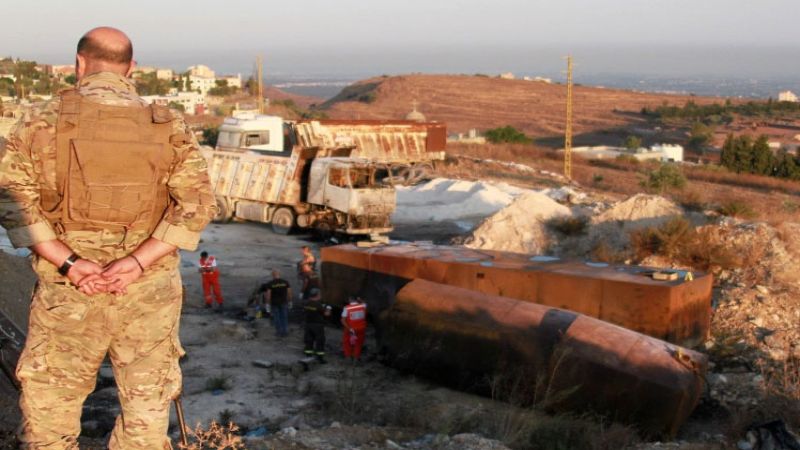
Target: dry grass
{"points": [[678, 240], [216, 437]]}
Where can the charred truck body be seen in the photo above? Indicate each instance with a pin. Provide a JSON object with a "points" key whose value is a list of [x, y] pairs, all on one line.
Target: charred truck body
{"points": [[332, 178]]}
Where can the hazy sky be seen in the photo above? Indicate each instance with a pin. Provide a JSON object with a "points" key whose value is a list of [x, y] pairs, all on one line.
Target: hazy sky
{"points": [[723, 37]]}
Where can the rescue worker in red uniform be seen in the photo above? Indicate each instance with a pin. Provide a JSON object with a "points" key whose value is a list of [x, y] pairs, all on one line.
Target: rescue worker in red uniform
{"points": [[354, 321], [210, 274]]}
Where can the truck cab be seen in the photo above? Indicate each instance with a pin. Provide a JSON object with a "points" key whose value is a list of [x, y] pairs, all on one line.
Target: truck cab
{"points": [[268, 135], [348, 186]]}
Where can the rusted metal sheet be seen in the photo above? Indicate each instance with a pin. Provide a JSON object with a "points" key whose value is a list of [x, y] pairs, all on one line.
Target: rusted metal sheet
{"points": [[561, 360], [398, 141], [677, 311]]}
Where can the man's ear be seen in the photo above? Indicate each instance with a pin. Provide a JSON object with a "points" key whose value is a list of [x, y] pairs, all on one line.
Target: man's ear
{"points": [[130, 69], [80, 66]]}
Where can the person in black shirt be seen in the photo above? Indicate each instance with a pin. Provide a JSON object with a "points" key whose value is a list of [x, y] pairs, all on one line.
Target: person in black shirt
{"points": [[277, 294], [316, 314]]}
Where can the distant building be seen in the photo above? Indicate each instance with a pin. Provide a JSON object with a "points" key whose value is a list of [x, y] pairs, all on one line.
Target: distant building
{"points": [[201, 71], [539, 79], [164, 74], [472, 137], [193, 103], [661, 152], [202, 84], [10, 76], [234, 81], [787, 96], [145, 69], [507, 76], [62, 71]]}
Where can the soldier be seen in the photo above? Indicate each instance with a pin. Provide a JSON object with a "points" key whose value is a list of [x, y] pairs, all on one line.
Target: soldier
{"points": [[104, 189]]}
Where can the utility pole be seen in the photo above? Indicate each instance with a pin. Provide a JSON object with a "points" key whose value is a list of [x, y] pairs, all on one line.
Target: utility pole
{"points": [[260, 75], [568, 131]]}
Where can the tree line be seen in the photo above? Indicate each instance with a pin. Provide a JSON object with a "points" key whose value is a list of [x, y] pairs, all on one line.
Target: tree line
{"points": [[743, 154], [716, 113]]}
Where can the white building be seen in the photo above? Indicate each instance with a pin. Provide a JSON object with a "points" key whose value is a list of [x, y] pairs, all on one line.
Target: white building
{"points": [[193, 103], [201, 71], [164, 74], [507, 76], [202, 84], [661, 152], [234, 81], [787, 96]]}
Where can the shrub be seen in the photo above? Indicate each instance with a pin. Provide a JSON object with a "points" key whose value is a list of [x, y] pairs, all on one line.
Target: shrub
{"points": [[667, 176], [218, 383], [507, 134], [736, 208], [678, 240], [597, 178], [568, 225]]}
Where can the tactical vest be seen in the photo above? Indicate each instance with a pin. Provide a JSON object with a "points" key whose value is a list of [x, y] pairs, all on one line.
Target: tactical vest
{"points": [[112, 166]]}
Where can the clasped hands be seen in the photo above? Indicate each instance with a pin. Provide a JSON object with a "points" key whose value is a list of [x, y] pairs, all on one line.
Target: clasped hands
{"points": [[92, 278]]}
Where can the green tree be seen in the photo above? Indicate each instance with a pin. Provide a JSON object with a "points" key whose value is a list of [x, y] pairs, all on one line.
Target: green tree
{"points": [[667, 176], [71, 79], [727, 157], [633, 142], [762, 156], [700, 135], [743, 154], [506, 134], [149, 84], [178, 106]]}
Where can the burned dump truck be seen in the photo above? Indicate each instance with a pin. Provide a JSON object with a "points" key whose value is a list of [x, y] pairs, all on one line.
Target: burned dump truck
{"points": [[404, 150], [577, 336], [321, 188]]}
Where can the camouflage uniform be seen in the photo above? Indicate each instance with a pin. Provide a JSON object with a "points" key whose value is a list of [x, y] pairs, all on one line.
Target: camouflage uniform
{"points": [[70, 333]]}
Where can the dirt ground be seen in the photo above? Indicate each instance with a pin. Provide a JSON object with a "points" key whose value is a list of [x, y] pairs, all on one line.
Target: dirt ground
{"points": [[237, 371]]}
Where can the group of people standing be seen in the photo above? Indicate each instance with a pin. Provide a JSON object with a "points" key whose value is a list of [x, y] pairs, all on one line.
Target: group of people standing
{"points": [[274, 298]]}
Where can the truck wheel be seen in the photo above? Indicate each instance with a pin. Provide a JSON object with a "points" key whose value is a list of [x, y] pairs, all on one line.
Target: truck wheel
{"points": [[282, 220], [224, 210]]}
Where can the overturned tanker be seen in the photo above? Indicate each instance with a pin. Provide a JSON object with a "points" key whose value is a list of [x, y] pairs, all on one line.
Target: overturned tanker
{"points": [[529, 353], [527, 329], [675, 310]]}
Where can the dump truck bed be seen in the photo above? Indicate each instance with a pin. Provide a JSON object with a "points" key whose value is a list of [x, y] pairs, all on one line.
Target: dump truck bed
{"points": [[256, 177], [377, 140]]}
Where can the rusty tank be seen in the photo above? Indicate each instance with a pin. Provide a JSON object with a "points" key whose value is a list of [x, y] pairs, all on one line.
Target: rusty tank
{"points": [[559, 360], [675, 310]]}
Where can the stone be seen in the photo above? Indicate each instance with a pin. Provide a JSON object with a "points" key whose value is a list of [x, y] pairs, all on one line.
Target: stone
{"points": [[262, 363], [335, 425], [393, 445], [762, 289], [289, 431]]}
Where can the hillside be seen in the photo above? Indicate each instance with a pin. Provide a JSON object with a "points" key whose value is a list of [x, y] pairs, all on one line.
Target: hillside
{"points": [[481, 102]]}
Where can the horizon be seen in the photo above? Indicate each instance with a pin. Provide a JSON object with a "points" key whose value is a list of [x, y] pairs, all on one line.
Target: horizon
{"points": [[610, 40]]}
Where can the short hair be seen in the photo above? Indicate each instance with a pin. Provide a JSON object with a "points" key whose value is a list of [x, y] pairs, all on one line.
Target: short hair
{"points": [[203, 254], [97, 50]]}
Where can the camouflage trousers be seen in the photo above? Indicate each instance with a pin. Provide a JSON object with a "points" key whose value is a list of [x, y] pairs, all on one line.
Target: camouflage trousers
{"points": [[70, 334]]}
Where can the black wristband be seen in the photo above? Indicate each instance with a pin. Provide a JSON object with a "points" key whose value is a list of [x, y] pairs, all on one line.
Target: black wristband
{"points": [[137, 261], [68, 263]]}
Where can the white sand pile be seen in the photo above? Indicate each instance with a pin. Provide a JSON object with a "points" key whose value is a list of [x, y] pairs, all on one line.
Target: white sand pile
{"points": [[613, 226], [520, 227], [641, 210], [444, 199]]}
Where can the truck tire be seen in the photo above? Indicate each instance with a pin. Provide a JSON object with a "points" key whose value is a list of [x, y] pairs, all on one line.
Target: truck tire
{"points": [[224, 210], [283, 220]]}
